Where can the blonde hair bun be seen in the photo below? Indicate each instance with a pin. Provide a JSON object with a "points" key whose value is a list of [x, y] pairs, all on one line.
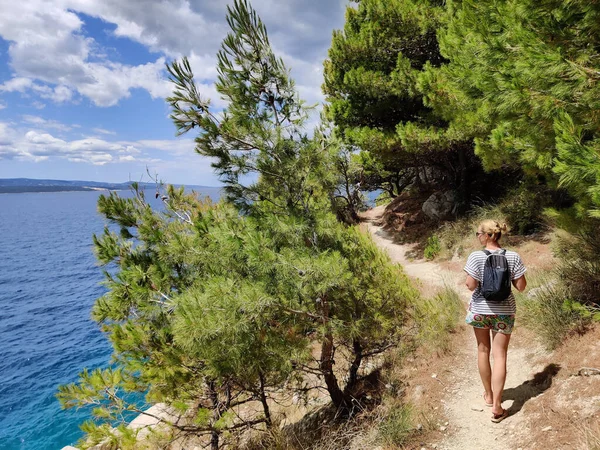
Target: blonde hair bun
{"points": [[493, 229]]}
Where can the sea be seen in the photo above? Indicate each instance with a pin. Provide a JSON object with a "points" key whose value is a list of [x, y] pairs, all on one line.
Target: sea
{"points": [[49, 280]]}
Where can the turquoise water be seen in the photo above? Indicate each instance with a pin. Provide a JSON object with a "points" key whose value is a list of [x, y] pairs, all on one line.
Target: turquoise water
{"points": [[49, 281]]}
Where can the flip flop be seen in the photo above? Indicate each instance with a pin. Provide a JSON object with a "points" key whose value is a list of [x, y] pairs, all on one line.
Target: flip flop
{"points": [[497, 418], [489, 405]]}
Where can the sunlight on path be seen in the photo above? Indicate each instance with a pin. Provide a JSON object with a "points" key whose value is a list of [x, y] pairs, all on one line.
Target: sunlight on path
{"points": [[425, 271]]}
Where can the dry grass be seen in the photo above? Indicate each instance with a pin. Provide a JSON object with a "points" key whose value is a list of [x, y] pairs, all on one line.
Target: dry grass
{"points": [[590, 436], [550, 311], [436, 318]]}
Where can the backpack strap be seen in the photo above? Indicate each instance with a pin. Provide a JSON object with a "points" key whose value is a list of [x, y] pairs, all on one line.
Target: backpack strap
{"points": [[488, 253]]}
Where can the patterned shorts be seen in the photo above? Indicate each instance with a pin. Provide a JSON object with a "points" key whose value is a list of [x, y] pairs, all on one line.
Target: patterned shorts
{"points": [[500, 323]]}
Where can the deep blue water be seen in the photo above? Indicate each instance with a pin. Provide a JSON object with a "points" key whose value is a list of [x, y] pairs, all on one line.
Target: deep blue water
{"points": [[49, 281]]}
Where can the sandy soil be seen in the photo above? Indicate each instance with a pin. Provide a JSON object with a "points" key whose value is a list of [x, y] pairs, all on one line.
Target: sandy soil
{"points": [[468, 425]]}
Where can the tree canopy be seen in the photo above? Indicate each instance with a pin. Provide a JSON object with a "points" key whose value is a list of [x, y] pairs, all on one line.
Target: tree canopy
{"points": [[210, 307], [515, 83], [373, 83], [522, 80]]}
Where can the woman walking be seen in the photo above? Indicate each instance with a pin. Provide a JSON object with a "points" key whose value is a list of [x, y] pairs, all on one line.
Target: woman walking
{"points": [[492, 308]]}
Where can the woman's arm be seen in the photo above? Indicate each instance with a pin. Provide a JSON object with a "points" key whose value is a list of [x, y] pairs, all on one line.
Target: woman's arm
{"points": [[520, 283], [472, 283]]}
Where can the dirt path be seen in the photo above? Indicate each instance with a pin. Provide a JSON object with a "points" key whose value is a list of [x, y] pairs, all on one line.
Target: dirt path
{"points": [[469, 426]]}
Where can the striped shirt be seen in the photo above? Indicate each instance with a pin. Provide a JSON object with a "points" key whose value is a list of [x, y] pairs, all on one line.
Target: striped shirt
{"points": [[479, 304]]}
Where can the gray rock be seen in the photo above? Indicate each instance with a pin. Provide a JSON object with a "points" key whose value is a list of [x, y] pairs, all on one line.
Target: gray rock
{"points": [[440, 205]]}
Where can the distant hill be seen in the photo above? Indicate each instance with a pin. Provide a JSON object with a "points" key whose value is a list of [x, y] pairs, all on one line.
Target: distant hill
{"points": [[20, 185]]}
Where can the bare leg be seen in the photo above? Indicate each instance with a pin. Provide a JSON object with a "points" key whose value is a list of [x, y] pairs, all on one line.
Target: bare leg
{"points": [[499, 348], [483, 361]]}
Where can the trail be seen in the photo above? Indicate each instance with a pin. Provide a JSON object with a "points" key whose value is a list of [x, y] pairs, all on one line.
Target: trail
{"points": [[469, 426]]}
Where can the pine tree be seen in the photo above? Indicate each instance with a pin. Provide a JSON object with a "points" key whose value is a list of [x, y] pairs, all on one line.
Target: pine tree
{"points": [[379, 103], [261, 133], [213, 306], [190, 324], [523, 80]]}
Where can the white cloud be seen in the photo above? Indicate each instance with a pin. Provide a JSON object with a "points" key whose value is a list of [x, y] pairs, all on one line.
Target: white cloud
{"points": [[36, 145], [172, 27], [61, 94], [181, 147], [45, 124], [103, 131], [2, 105], [18, 84], [52, 56]]}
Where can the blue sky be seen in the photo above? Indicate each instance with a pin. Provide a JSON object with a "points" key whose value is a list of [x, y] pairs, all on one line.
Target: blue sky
{"points": [[82, 82]]}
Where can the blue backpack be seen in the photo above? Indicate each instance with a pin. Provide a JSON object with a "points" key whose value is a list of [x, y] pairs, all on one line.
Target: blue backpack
{"points": [[495, 284]]}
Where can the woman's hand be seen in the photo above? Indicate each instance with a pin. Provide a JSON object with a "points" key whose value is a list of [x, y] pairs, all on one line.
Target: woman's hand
{"points": [[520, 283], [471, 283]]}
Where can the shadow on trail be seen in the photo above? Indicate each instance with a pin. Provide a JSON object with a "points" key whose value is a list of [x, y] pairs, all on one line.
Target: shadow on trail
{"points": [[530, 388]]}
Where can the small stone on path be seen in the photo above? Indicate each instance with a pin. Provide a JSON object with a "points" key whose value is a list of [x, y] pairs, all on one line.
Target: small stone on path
{"points": [[477, 408], [547, 429]]}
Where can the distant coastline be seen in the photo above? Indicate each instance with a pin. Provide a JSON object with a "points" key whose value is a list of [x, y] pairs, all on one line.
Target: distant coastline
{"points": [[33, 189], [31, 185]]}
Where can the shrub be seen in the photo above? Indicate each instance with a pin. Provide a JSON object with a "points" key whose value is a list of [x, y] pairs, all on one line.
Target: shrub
{"points": [[437, 317], [456, 238], [383, 198], [397, 427], [551, 311], [566, 300], [579, 264], [523, 208], [433, 247]]}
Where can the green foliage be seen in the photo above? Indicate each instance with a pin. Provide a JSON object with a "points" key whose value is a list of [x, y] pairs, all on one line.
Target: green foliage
{"points": [[398, 426], [216, 306], [376, 101], [578, 263], [383, 199], [566, 301], [457, 238], [348, 199], [324, 273], [552, 313], [436, 317], [523, 81], [523, 209], [433, 247]]}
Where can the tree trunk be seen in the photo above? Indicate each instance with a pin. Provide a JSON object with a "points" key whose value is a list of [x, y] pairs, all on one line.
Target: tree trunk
{"points": [[216, 415], [214, 440], [336, 394], [263, 400], [353, 375], [326, 363], [464, 176]]}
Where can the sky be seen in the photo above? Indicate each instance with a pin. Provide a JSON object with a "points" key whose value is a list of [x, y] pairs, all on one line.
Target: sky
{"points": [[83, 82]]}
